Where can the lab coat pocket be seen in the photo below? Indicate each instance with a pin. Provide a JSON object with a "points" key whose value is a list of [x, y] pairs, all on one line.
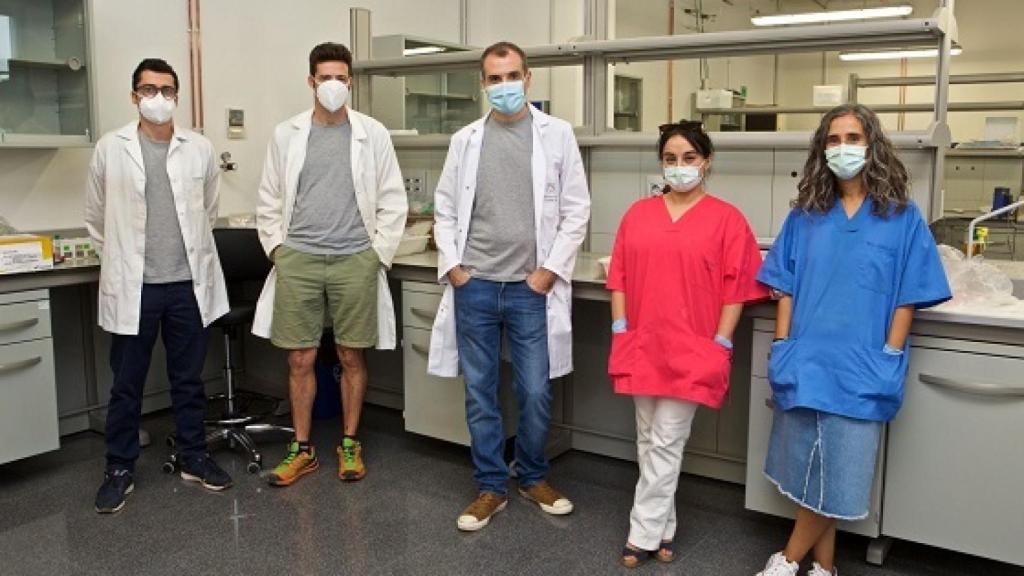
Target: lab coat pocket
{"points": [[875, 268], [623, 356]]}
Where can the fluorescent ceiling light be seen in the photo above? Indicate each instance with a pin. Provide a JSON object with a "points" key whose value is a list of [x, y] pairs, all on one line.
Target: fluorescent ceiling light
{"points": [[895, 54], [835, 16], [422, 50]]}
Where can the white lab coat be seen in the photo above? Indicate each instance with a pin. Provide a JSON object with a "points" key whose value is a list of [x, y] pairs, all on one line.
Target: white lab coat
{"points": [[561, 203], [115, 215], [380, 195]]}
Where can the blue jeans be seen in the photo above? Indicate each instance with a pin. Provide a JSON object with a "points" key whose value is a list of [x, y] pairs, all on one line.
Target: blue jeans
{"points": [[482, 309], [170, 309]]}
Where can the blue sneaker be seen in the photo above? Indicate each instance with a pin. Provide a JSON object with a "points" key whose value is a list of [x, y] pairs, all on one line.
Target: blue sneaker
{"points": [[117, 485], [204, 470]]}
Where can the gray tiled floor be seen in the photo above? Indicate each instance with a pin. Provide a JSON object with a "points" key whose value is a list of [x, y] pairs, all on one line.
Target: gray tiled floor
{"points": [[399, 520]]}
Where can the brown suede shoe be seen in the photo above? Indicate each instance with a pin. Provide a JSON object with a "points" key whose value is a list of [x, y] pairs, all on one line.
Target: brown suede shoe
{"points": [[549, 499], [479, 513]]}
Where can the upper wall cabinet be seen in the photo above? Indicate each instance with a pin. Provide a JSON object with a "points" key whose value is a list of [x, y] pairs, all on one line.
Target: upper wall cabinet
{"points": [[44, 74], [438, 103]]}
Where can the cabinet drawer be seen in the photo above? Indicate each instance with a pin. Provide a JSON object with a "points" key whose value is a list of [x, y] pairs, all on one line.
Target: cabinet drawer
{"points": [[28, 400], [23, 321], [956, 455], [419, 308], [434, 406]]}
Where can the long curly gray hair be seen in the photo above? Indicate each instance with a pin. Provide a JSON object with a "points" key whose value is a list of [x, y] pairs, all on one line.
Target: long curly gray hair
{"points": [[885, 176]]}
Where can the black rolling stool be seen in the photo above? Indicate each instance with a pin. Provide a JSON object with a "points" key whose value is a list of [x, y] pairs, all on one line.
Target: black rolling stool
{"points": [[242, 258]]}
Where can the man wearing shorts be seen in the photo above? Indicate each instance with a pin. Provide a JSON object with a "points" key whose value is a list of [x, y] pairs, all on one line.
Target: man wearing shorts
{"points": [[331, 212]]}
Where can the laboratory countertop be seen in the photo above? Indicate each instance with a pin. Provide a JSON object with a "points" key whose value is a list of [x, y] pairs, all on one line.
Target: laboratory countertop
{"points": [[589, 279], [588, 283]]}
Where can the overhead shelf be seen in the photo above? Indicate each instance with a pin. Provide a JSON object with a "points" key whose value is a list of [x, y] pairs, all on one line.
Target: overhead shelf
{"points": [[924, 107], [704, 45], [989, 78], [936, 136], [49, 64], [14, 140]]}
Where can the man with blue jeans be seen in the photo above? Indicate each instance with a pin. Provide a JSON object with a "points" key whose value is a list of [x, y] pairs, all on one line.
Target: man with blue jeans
{"points": [[511, 210], [151, 201]]}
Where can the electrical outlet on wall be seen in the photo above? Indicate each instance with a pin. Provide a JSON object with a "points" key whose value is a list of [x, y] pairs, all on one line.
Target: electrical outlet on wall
{"points": [[415, 182], [655, 182]]}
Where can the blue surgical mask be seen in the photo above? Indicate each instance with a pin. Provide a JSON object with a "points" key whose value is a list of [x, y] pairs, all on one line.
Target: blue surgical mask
{"points": [[846, 160], [507, 97], [683, 178]]}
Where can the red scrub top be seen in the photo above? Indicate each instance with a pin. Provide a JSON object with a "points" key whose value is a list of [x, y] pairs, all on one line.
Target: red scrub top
{"points": [[676, 277]]}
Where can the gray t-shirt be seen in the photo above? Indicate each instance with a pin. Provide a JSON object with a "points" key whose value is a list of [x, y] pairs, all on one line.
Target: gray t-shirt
{"points": [[326, 220], [502, 242], [166, 260]]}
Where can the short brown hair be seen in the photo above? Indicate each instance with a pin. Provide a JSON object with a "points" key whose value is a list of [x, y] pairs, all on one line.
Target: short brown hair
{"points": [[501, 49], [329, 52]]}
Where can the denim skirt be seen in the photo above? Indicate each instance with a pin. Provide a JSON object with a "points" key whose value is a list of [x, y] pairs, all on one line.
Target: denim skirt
{"points": [[824, 462]]}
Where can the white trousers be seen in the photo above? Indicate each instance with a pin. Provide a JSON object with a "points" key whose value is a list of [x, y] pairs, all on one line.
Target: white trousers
{"points": [[662, 429]]}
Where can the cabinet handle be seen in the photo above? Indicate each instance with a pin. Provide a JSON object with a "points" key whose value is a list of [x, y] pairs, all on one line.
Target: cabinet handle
{"points": [[976, 388], [425, 314], [420, 349], [19, 365], [18, 325]]}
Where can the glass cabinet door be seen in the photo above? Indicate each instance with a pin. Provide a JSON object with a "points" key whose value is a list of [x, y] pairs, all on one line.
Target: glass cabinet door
{"points": [[44, 84]]}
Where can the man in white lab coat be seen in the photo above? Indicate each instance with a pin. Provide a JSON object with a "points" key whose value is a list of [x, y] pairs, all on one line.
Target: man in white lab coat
{"points": [[511, 210], [331, 212], [150, 207]]}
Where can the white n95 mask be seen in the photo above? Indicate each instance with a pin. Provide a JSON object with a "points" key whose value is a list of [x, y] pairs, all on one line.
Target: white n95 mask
{"points": [[332, 95], [157, 109]]}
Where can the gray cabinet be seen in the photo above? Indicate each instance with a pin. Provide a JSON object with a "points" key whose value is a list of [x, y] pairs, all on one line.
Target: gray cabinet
{"points": [[435, 406], [972, 180], [44, 73], [429, 103], [28, 394], [955, 469]]}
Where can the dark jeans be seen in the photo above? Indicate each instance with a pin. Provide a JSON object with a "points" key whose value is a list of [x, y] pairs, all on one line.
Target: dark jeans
{"points": [[482, 309], [172, 310]]}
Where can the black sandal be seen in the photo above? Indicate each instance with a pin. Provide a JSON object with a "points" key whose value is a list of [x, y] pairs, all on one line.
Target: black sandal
{"points": [[633, 558], [665, 553]]}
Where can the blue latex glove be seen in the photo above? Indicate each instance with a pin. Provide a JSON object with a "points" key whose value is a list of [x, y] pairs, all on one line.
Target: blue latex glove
{"points": [[723, 341], [892, 351], [619, 326]]}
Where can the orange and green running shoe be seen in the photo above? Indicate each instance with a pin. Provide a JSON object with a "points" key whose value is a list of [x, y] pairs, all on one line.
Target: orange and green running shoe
{"points": [[350, 460], [295, 465]]}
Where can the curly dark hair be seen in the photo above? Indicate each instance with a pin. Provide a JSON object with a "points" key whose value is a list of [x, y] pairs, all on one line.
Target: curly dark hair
{"points": [[885, 176]]}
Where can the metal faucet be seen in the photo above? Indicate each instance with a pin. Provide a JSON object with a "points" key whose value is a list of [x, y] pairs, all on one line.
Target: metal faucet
{"points": [[982, 218]]}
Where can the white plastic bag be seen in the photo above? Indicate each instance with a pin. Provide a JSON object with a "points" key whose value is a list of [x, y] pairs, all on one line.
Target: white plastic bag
{"points": [[977, 285]]}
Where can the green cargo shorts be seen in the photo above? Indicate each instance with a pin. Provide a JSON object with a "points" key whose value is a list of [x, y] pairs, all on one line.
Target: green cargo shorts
{"points": [[306, 282]]}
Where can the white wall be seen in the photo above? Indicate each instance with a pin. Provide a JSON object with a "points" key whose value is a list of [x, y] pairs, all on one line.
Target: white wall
{"points": [[254, 56], [43, 189]]}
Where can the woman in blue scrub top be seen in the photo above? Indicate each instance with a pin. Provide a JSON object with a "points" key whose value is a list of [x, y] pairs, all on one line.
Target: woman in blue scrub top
{"points": [[853, 261]]}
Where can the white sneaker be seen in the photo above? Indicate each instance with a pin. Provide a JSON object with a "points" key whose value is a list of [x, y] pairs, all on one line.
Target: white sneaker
{"points": [[778, 566], [817, 570]]}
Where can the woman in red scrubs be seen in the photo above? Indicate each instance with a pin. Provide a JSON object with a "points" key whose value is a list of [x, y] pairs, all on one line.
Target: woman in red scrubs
{"points": [[683, 265]]}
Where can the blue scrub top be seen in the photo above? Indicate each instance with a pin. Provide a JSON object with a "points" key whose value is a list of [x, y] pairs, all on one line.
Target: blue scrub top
{"points": [[847, 276]]}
